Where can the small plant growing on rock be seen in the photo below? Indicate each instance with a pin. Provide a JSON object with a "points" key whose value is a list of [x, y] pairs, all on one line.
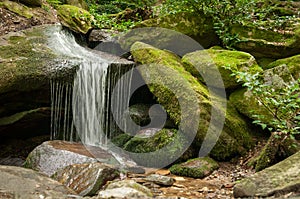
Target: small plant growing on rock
{"points": [[282, 102]]}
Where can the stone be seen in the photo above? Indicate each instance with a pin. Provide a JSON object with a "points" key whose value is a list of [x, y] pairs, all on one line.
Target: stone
{"points": [[86, 179], [18, 182], [52, 156], [200, 28], [277, 180], [160, 179], [263, 42], [195, 168], [233, 61], [17, 8], [125, 188], [76, 19], [235, 136]]}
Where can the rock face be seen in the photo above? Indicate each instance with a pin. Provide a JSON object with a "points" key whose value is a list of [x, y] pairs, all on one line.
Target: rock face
{"points": [[160, 180], [17, 182], [76, 19], [235, 136], [86, 179], [277, 180], [195, 168], [51, 156], [196, 27], [232, 60]]}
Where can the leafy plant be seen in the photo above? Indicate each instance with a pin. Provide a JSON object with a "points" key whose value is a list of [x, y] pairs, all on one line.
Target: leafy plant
{"points": [[282, 102]]}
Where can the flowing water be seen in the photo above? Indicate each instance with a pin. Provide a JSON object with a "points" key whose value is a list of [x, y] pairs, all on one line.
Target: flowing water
{"points": [[81, 110]]}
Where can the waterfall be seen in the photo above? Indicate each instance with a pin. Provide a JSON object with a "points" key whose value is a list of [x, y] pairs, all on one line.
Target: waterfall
{"points": [[81, 109]]}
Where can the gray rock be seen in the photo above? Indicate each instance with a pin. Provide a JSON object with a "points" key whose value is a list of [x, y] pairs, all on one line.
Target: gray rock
{"points": [[161, 180], [51, 156], [21, 183], [279, 179], [86, 179]]}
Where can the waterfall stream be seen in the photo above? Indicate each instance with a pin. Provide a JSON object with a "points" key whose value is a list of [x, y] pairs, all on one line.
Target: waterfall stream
{"points": [[81, 109]]}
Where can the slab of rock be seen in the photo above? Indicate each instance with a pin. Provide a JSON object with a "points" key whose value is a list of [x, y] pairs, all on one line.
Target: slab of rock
{"points": [[279, 179], [86, 179], [51, 156], [160, 179], [125, 189], [195, 168], [18, 182]]}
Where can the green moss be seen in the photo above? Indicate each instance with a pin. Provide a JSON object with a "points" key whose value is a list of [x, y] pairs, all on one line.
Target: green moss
{"points": [[168, 70], [145, 145], [195, 168], [206, 59], [17, 8], [121, 139], [292, 63], [77, 19]]}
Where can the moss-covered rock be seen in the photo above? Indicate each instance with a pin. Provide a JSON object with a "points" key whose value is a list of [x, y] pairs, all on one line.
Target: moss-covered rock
{"points": [[277, 180], [76, 19], [235, 136], [168, 30], [78, 3], [32, 2], [195, 168], [204, 60], [263, 42], [17, 8]]}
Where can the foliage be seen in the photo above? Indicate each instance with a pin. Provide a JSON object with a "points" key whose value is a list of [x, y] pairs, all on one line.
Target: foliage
{"points": [[55, 3], [105, 13], [227, 12], [281, 101]]}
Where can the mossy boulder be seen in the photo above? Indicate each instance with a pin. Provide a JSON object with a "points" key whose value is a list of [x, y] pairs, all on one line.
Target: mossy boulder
{"points": [[277, 180], [204, 60], [235, 136], [173, 32], [17, 8], [37, 3], [264, 42], [78, 3], [76, 19], [195, 168]]}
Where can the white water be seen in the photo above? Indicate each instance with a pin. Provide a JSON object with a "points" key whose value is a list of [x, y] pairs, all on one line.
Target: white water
{"points": [[87, 100]]}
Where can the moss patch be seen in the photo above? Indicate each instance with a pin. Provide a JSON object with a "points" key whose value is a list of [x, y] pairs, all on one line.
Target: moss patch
{"points": [[17, 8], [205, 61], [77, 19], [195, 168]]}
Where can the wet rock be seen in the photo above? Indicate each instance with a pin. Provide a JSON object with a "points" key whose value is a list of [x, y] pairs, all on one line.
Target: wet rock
{"points": [[196, 168], [51, 156], [17, 182], [86, 179], [160, 180], [279, 179], [12, 161]]}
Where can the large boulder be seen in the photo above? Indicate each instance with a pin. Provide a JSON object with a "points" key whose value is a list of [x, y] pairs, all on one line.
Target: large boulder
{"points": [[200, 28], [18, 182], [225, 61], [86, 179], [52, 156], [76, 19], [235, 136], [280, 179]]}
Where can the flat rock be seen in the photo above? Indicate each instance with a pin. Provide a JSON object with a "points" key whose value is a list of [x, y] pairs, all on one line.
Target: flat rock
{"points": [[18, 182], [160, 179], [279, 179]]}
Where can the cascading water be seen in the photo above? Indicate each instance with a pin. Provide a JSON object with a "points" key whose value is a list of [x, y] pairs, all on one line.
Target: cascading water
{"points": [[83, 106]]}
